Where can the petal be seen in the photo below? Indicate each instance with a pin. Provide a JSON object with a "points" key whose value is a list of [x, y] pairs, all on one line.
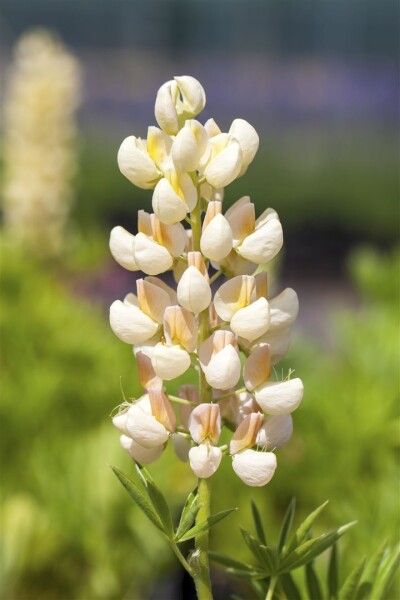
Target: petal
{"points": [[120, 419], [174, 239], [139, 453], [252, 321], [187, 392], [234, 265], [265, 243], [159, 146], [225, 166], [204, 460], [170, 362], [216, 239], [205, 422], [241, 219], [121, 246], [223, 370], [165, 287], [275, 432], [257, 367], [185, 150], [194, 293], [233, 295], [181, 446], [193, 94], [284, 309], [161, 408], [180, 327], [248, 139], [145, 429], [167, 205], [136, 164], [152, 299], [212, 128], [246, 433], [130, 324], [280, 397], [278, 341], [147, 377], [254, 468], [165, 109], [150, 257]]}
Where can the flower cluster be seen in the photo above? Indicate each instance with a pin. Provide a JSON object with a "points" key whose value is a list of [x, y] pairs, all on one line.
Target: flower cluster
{"points": [[39, 142], [237, 333]]}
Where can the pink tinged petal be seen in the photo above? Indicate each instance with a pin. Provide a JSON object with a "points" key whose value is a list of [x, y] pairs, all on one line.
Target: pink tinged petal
{"points": [[152, 299], [180, 327], [216, 239], [130, 324], [147, 377], [234, 265], [278, 341], [257, 367], [121, 247], [167, 204], [252, 321], [174, 239], [139, 453], [152, 258], [165, 287], [170, 362], [136, 164], [254, 468], [275, 432], [241, 219], [145, 429], [233, 295], [161, 409], [194, 292], [284, 309], [246, 433], [119, 421], [181, 446], [225, 166], [223, 370], [280, 397], [248, 139], [204, 460], [213, 344], [262, 245], [205, 422]]}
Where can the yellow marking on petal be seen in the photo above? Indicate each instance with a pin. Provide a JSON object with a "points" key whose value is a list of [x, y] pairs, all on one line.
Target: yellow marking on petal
{"points": [[180, 327]]}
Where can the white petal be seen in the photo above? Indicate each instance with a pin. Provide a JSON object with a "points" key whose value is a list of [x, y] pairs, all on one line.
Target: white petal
{"points": [[139, 453], [130, 324], [150, 257], [257, 367], [185, 151], [265, 243], [278, 341], [252, 321], [167, 205], [121, 246], [223, 370], [205, 422], [165, 109], [233, 295], [275, 432], [254, 468], [181, 446], [284, 309], [194, 97], [194, 293], [212, 128], [136, 164], [216, 239], [170, 362], [119, 421], [145, 429], [248, 139], [158, 146], [176, 239], [204, 460], [225, 167], [280, 397]]}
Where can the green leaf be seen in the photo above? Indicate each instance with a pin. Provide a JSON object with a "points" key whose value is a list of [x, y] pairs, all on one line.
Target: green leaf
{"points": [[289, 587], [258, 523], [333, 574], [161, 507], [370, 572], [304, 529], [287, 524], [263, 554], [313, 585], [386, 573], [139, 497], [187, 519], [206, 524], [349, 589]]}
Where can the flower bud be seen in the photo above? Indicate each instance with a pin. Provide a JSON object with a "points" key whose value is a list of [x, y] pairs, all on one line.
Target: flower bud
{"points": [[192, 94], [248, 140], [205, 460], [275, 432], [220, 360], [121, 246], [225, 161], [279, 397], [216, 238], [135, 163], [194, 292], [254, 468], [182, 98]]}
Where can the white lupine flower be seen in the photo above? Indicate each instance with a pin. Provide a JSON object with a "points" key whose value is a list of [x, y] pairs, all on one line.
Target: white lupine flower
{"points": [[205, 460], [225, 160], [174, 196], [193, 291], [178, 99], [216, 239], [248, 139], [121, 247], [275, 432], [254, 468], [205, 429], [284, 310], [138, 453], [190, 148], [135, 163], [220, 361]]}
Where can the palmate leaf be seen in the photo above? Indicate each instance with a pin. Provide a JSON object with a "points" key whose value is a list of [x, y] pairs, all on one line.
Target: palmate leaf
{"points": [[313, 585], [333, 574], [349, 589], [287, 524], [304, 529], [258, 523], [206, 524]]}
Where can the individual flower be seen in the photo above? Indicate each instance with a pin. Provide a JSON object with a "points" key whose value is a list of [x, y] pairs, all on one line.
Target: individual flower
{"points": [[174, 196], [220, 361], [248, 140], [225, 160], [205, 429], [190, 148], [216, 237], [177, 100], [193, 291]]}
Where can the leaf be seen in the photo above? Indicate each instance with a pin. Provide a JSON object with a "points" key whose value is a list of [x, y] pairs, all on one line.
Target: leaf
{"points": [[187, 519], [222, 559], [206, 524], [386, 573], [370, 572], [262, 553], [139, 497], [258, 523], [289, 587], [157, 499], [287, 524], [304, 529], [348, 590], [333, 574], [313, 586]]}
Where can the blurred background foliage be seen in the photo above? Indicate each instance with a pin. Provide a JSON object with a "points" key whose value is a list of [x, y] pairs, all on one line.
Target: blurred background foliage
{"points": [[318, 80]]}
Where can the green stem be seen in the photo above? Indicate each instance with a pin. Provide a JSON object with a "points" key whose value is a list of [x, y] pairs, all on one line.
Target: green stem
{"points": [[271, 589], [182, 559], [201, 568]]}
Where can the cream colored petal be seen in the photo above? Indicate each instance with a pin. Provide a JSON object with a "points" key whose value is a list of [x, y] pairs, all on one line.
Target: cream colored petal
{"points": [[257, 367], [279, 343], [165, 109], [185, 150], [284, 309], [147, 377], [180, 327], [204, 460], [195, 259], [242, 222], [262, 245], [188, 190], [161, 408], [136, 164], [121, 246], [193, 94], [140, 454], [150, 257], [144, 223], [175, 239], [165, 287], [205, 422], [131, 299], [248, 139], [223, 370], [212, 128], [225, 166], [181, 446], [152, 299], [252, 321], [280, 397], [267, 215], [233, 295], [261, 290], [159, 146], [216, 240], [246, 433], [234, 265], [254, 468], [119, 421], [275, 432], [130, 324], [145, 429], [170, 362], [194, 293], [167, 205]]}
